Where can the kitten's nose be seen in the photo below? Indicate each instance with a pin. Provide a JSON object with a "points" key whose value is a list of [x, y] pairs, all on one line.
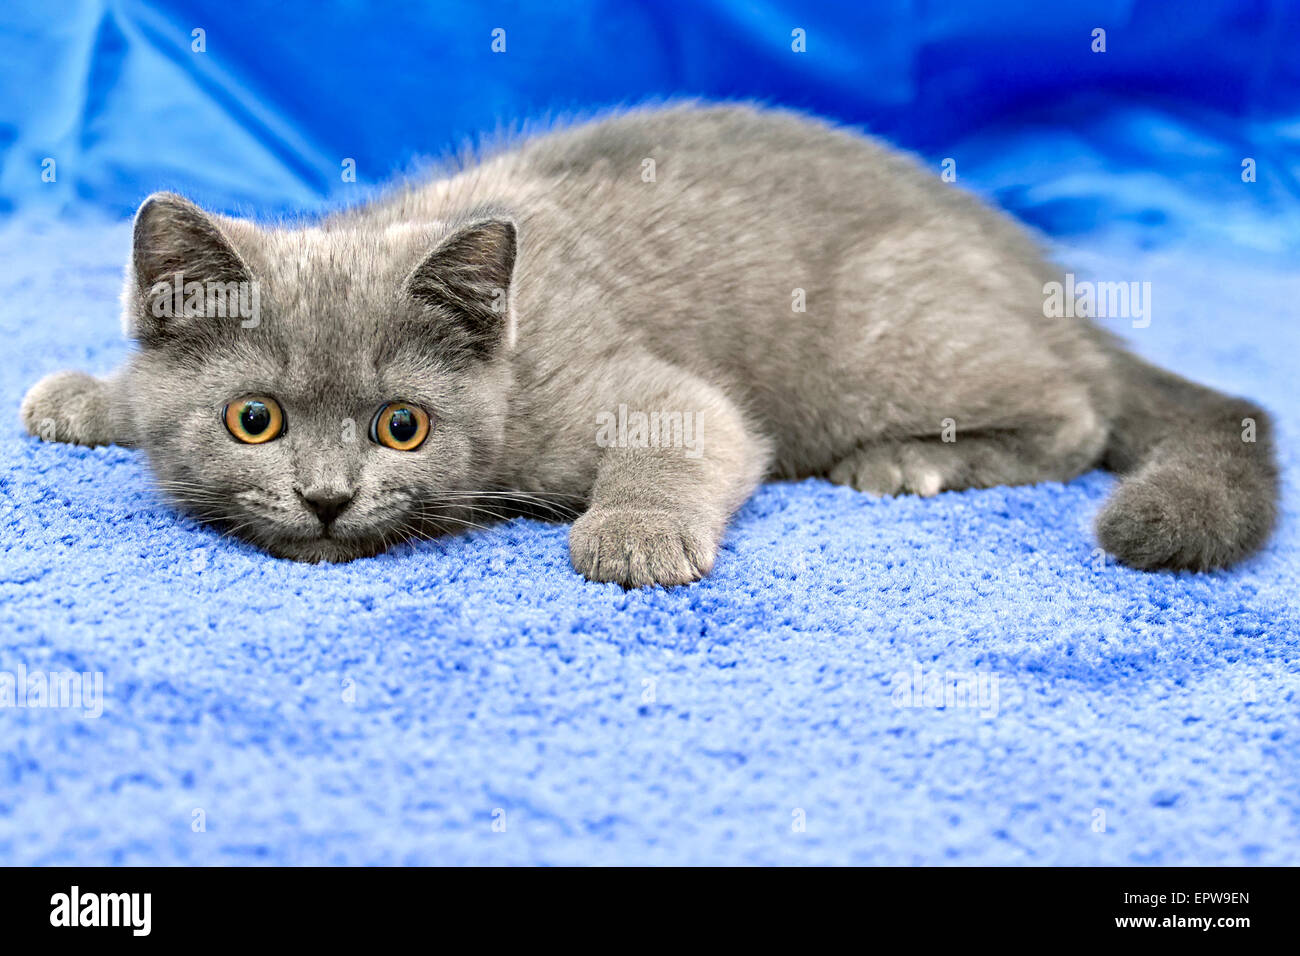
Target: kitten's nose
{"points": [[328, 503]]}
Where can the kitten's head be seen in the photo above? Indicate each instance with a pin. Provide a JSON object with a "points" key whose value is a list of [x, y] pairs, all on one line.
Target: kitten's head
{"points": [[324, 392]]}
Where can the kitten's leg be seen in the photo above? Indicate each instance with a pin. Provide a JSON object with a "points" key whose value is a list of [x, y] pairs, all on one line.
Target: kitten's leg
{"points": [[657, 514], [73, 407], [1052, 450]]}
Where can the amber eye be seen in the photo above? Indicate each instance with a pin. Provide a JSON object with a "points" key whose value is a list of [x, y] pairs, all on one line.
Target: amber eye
{"points": [[400, 425], [254, 419]]}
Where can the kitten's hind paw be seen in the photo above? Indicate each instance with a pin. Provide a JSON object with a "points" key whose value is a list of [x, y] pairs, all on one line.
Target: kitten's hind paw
{"points": [[891, 469], [69, 407], [640, 547]]}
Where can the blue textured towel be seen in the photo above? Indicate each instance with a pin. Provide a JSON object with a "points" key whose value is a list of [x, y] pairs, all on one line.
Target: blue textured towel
{"points": [[382, 711], [473, 700]]}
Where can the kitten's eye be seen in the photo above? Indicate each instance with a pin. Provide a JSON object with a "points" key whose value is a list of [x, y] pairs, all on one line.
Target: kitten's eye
{"points": [[400, 425], [254, 419]]}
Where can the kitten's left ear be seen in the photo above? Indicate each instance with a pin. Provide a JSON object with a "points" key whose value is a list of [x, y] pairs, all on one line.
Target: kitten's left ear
{"points": [[465, 283]]}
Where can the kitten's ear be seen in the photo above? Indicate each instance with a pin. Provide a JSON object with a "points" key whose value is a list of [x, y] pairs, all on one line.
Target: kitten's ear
{"points": [[465, 284], [174, 243]]}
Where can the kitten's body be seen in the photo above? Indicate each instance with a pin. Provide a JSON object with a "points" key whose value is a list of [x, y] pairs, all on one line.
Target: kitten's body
{"points": [[923, 322]]}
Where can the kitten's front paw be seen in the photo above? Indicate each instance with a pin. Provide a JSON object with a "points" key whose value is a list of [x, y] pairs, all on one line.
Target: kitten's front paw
{"points": [[68, 407], [637, 547]]}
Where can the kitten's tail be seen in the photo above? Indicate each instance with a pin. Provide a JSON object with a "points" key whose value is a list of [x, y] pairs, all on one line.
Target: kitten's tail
{"points": [[1201, 486]]}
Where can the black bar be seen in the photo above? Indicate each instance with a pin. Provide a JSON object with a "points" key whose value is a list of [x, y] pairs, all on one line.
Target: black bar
{"points": [[334, 906]]}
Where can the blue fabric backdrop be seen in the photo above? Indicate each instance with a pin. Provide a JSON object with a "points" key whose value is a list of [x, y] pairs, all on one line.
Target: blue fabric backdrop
{"points": [[390, 710], [116, 94]]}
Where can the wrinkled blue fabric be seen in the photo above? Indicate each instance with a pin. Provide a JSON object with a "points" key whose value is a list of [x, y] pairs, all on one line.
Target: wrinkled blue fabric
{"points": [[472, 700]]}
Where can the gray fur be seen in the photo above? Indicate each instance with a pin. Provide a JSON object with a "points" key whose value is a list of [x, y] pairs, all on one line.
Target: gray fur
{"points": [[670, 296]]}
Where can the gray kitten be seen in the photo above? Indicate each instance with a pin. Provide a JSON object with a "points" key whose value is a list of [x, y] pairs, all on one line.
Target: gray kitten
{"points": [[605, 322]]}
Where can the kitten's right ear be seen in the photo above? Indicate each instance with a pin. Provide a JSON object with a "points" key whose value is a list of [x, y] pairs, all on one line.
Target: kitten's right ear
{"points": [[174, 243]]}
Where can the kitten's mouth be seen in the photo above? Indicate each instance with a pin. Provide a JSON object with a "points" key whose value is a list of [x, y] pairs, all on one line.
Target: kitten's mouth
{"points": [[324, 544], [328, 543], [326, 548]]}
